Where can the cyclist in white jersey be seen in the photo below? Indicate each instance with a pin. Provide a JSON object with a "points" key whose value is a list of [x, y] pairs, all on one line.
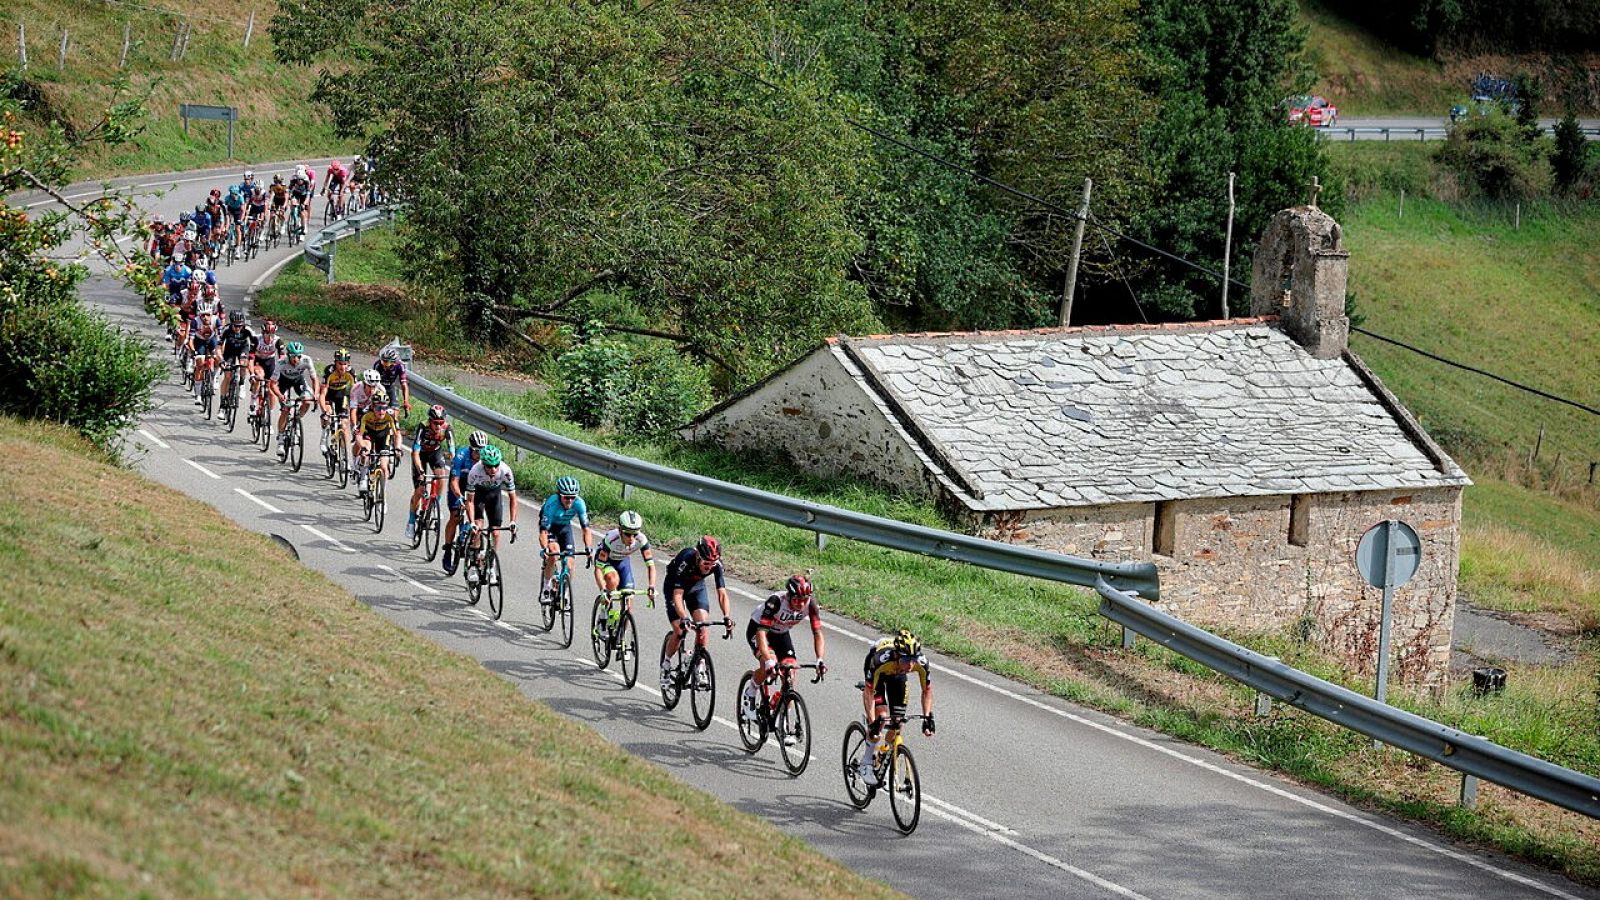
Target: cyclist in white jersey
{"points": [[612, 569]]}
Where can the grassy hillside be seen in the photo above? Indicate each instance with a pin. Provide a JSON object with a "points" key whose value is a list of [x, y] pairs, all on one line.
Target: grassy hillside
{"points": [[1366, 76], [185, 712], [276, 121]]}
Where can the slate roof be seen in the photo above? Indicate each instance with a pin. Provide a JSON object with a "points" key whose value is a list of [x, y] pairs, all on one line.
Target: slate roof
{"points": [[1121, 414]]}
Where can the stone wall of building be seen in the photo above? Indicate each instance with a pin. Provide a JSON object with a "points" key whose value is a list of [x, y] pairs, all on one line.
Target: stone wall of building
{"points": [[820, 419], [1232, 564]]}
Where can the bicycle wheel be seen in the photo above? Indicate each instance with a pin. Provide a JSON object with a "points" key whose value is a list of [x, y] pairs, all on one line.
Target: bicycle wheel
{"points": [[230, 403], [380, 501], [703, 688], [416, 532], [266, 428], [672, 687], [905, 790], [493, 580], [564, 597], [547, 611], [366, 502], [855, 744], [431, 528], [793, 726], [600, 633], [626, 640], [330, 458], [297, 443], [255, 426], [207, 394], [752, 730]]}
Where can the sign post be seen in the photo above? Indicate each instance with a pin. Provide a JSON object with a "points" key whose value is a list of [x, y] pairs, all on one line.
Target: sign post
{"points": [[229, 114], [1388, 556]]}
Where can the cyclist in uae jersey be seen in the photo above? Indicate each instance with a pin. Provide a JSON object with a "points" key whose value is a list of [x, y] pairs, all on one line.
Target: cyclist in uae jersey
{"points": [[432, 446], [685, 590], [769, 638], [460, 467], [612, 569], [560, 510], [264, 364]]}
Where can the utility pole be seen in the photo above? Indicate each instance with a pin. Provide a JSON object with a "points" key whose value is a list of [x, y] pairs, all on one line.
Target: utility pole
{"points": [[22, 45], [1071, 287], [1227, 250]]}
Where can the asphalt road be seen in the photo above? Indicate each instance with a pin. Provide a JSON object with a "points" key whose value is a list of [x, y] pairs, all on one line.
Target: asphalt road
{"points": [[1404, 128], [1025, 795]]}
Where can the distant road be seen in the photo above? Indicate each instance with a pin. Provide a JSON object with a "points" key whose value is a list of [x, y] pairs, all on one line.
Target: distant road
{"points": [[1417, 128]]}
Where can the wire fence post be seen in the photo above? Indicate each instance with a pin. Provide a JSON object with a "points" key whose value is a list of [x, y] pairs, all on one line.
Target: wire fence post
{"points": [[184, 50], [249, 28], [1402, 214], [61, 52], [22, 45], [177, 41], [127, 33], [1227, 249], [1071, 287]]}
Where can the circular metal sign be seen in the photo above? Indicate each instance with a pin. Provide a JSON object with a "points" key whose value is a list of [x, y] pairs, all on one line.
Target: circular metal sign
{"points": [[1389, 554]]}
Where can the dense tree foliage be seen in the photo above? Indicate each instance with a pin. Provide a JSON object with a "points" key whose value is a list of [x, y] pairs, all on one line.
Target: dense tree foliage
{"points": [[1497, 158], [1431, 26]]}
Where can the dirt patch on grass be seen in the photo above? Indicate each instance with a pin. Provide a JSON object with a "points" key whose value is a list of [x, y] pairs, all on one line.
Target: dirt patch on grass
{"points": [[380, 297]]}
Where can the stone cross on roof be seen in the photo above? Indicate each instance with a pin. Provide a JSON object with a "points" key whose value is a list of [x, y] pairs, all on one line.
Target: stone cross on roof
{"points": [[1316, 191]]}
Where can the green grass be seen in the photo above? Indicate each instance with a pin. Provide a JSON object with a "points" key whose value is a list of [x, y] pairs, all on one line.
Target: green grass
{"points": [[186, 712], [277, 120]]}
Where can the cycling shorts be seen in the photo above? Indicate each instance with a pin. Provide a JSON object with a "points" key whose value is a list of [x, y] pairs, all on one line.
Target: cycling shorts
{"points": [[339, 402], [489, 504], [891, 693], [269, 365], [623, 569], [782, 645], [235, 214], [562, 535], [378, 439], [431, 459], [293, 386], [694, 598], [202, 346]]}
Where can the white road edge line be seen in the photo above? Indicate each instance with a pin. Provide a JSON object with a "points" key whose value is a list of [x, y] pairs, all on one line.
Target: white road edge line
{"points": [[257, 501], [155, 440], [328, 538], [1243, 779], [407, 579], [203, 470]]}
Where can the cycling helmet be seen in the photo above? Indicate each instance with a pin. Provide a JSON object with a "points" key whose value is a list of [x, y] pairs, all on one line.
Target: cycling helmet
{"points": [[906, 644], [799, 588], [277, 179], [300, 171], [155, 219], [269, 327], [567, 486], [341, 355], [389, 355], [630, 522], [184, 217], [436, 413], [378, 396], [233, 190], [211, 276], [216, 193], [295, 348], [708, 549], [199, 209], [490, 456], [248, 174], [236, 317], [477, 440], [371, 378]]}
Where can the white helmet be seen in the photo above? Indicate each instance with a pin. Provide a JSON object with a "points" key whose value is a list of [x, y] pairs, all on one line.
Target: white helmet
{"points": [[371, 377], [300, 171]]}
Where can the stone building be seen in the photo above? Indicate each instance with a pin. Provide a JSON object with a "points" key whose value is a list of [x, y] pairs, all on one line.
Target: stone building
{"points": [[1245, 457]]}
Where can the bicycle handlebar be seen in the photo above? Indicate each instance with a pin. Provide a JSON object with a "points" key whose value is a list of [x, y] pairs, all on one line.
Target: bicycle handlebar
{"points": [[725, 623], [793, 666]]}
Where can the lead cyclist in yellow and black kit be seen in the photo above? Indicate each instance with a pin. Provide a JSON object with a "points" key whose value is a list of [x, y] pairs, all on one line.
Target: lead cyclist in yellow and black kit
{"points": [[884, 692], [337, 381], [377, 424]]}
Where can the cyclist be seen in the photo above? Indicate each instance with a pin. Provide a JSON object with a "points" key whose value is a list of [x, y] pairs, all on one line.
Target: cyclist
{"points": [[432, 447], [555, 529], [237, 340], [333, 185], [297, 374], [685, 590], [338, 381], [460, 467], [361, 394], [884, 692], [377, 424], [234, 204], [264, 353], [176, 278], [300, 192], [612, 569], [258, 215], [392, 370], [769, 639], [203, 341], [280, 201], [488, 479], [358, 176], [209, 303], [247, 185]]}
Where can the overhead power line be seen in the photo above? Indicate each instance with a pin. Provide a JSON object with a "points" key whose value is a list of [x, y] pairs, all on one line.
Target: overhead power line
{"points": [[1477, 371]]}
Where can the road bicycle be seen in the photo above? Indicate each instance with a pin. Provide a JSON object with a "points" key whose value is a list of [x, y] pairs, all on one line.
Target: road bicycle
{"points": [[274, 228], [782, 713], [892, 764], [252, 239], [559, 606], [261, 419], [612, 632], [481, 568], [375, 502], [429, 527], [336, 449], [208, 389], [230, 398], [293, 447], [296, 227], [692, 672], [333, 210], [233, 244]]}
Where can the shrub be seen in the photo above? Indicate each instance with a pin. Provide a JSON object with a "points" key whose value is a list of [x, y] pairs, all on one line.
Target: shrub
{"points": [[1494, 158], [647, 388]]}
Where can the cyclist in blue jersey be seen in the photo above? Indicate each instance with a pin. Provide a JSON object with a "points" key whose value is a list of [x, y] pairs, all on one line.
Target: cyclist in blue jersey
{"points": [[460, 466], [555, 528], [685, 590]]}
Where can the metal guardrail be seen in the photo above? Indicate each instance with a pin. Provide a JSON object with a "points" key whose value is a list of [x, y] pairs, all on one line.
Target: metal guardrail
{"points": [[818, 517], [1466, 753], [319, 251], [1428, 133]]}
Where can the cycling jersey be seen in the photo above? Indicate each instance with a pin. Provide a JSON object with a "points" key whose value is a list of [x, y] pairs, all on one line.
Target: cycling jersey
{"points": [[426, 440], [462, 463], [237, 342], [480, 479], [202, 222], [176, 276], [684, 574], [880, 665], [338, 383], [554, 515], [612, 549], [290, 370], [777, 616], [378, 421], [392, 376], [234, 205], [300, 188], [280, 195], [265, 348]]}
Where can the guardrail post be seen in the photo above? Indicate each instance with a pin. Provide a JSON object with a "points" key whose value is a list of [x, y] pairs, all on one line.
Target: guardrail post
{"points": [[822, 541], [627, 492], [1386, 135], [1128, 637], [1264, 700], [1469, 792], [330, 248], [1422, 134]]}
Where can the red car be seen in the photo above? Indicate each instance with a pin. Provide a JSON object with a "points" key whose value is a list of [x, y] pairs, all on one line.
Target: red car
{"points": [[1311, 110]]}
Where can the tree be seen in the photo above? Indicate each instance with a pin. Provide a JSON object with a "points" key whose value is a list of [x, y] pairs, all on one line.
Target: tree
{"points": [[1493, 158], [1570, 161], [59, 360]]}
